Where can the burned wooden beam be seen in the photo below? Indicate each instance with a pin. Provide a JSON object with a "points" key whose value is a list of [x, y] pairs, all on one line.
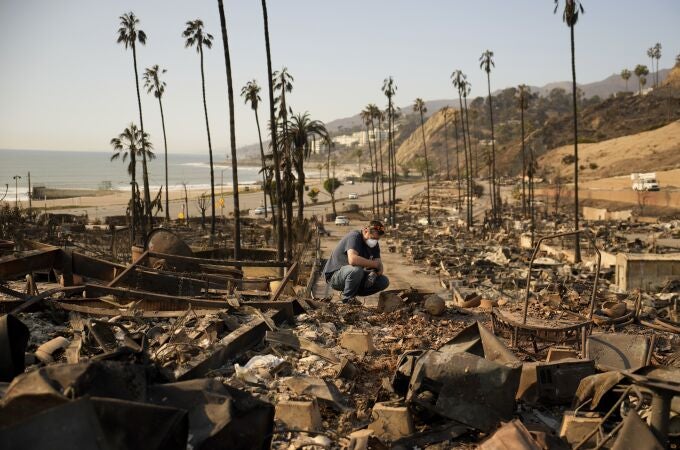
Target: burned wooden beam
{"points": [[279, 290], [154, 301], [129, 269], [15, 266], [45, 294], [217, 262]]}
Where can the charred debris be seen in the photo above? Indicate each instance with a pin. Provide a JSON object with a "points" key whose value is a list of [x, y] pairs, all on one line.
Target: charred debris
{"points": [[177, 345]]}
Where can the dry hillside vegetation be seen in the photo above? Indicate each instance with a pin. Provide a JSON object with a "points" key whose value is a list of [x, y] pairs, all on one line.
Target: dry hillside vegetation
{"points": [[650, 151], [549, 126]]}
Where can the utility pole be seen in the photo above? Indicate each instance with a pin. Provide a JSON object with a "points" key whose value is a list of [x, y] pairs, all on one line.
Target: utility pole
{"points": [[16, 190]]}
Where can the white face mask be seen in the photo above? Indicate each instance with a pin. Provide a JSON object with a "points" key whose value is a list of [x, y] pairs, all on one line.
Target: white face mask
{"points": [[371, 242]]}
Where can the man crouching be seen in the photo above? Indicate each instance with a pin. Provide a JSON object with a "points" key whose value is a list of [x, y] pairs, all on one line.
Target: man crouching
{"points": [[354, 267]]}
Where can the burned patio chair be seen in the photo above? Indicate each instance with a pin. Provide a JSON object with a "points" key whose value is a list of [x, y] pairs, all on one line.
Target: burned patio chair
{"points": [[569, 328]]}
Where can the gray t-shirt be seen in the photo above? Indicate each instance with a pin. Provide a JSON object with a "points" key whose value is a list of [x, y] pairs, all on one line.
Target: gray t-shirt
{"points": [[353, 240]]}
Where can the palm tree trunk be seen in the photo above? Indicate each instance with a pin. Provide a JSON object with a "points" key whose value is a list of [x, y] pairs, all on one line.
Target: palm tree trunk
{"points": [[390, 179], [370, 156], [275, 149], [382, 173], [465, 153], [470, 180], [376, 179], [374, 162], [264, 176], [207, 127], [394, 171], [288, 178], [301, 185], [145, 174], [133, 214], [577, 243], [494, 204], [331, 183], [165, 144], [455, 125], [532, 204], [446, 147], [232, 133], [524, 159], [427, 168]]}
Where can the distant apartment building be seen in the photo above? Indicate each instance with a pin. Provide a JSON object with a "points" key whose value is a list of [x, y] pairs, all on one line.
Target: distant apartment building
{"points": [[318, 146], [360, 138]]}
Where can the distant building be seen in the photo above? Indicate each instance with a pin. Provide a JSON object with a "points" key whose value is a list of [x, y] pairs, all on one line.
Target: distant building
{"points": [[646, 271], [317, 146], [360, 138]]}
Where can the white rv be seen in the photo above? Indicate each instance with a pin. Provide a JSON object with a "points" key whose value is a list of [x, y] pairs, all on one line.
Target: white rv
{"points": [[644, 181]]}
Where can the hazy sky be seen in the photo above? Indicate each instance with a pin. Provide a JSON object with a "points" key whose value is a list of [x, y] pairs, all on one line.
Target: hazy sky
{"points": [[66, 84]]}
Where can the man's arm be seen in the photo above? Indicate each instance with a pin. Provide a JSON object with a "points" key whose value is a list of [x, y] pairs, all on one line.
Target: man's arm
{"points": [[355, 260]]}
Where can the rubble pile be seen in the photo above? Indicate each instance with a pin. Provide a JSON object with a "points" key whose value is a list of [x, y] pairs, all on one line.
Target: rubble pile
{"points": [[517, 347]]}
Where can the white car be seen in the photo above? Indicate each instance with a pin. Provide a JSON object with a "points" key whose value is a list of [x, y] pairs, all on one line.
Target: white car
{"points": [[342, 221], [259, 211], [353, 196]]}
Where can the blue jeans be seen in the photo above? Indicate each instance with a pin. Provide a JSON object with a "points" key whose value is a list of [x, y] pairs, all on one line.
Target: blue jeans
{"points": [[350, 280]]}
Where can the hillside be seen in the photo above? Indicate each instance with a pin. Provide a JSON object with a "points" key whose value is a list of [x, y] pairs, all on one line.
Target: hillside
{"points": [[611, 118], [602, 88], [648, 151]]}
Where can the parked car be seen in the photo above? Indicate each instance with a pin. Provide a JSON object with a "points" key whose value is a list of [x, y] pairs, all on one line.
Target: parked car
{"points": [[342, 221], [259, 211], [353, 196]]}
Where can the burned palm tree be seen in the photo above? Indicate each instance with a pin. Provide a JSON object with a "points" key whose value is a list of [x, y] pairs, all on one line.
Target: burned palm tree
{"points": [[572, 10], [274, 142], [196, 36], [459, 81], [523, 94], [365, 116], [130, 144], [486, 63], [232, 135], [300, 131], [129, 35], [251, 94], [419, 107], [154, 84], [389, 89]]}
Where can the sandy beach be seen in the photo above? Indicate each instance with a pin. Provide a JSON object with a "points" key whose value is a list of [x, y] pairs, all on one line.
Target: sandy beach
{"points": [[101, 205]]}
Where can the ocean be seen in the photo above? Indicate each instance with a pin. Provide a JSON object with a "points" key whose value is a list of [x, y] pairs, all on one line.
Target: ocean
{"points": [[90, 170]]}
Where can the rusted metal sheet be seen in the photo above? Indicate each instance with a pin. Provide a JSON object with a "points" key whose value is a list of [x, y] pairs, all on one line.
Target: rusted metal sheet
{"points": [[511, 436], [557, 382], [473, 379], [617, 351], [636, 434], [219, 416]]}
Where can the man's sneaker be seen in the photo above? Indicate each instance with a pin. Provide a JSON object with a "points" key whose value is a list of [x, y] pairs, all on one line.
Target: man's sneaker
{"points": [[351, 301]]}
